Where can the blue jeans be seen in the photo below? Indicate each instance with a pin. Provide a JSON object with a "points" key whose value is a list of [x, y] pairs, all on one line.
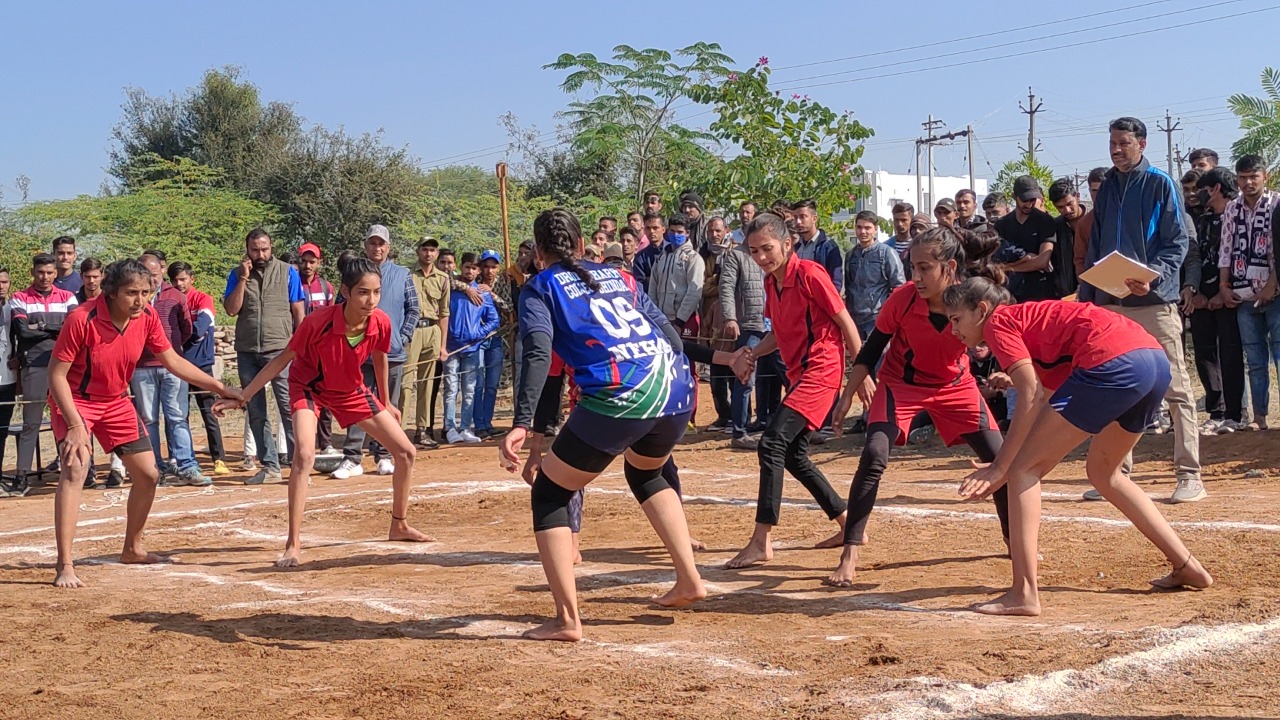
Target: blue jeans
{"points": [[159, 393], [460, 378], [486, 395], [247, 366], [1260, 335], [740, 392]]}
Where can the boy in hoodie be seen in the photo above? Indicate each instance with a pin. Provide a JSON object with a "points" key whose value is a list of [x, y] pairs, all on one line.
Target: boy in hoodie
{"points": [[469, 326]]}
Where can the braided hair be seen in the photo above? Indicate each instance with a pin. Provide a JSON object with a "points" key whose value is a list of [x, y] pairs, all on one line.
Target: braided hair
{"points": [[557, 232]]}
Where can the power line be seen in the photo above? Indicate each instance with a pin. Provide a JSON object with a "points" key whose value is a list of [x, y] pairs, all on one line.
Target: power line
{"points": [[973, 37]]}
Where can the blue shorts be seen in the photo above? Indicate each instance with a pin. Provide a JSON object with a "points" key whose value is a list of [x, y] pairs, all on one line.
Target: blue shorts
{"points": [[1126, 390]]}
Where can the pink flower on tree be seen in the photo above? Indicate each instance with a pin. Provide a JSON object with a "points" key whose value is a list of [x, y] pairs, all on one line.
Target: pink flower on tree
{"points": [[733, 77], [795, 96], [764, 60]]}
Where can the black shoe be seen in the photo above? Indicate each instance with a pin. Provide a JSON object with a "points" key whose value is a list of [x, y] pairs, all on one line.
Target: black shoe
{"points": [[552, 431], [757, 427], [859, 426], [20, 487], [91, 482], [114, 479], [424, 440]]}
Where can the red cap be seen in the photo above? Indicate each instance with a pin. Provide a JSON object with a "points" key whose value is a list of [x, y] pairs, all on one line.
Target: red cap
{"points": [[310, 248]]}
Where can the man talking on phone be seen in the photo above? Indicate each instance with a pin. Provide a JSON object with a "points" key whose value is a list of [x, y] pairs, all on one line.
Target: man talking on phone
{"points": [[265, 296]]}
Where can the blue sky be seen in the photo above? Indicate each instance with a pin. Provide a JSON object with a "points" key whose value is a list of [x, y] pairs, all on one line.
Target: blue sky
{"points": [[436, 76]]}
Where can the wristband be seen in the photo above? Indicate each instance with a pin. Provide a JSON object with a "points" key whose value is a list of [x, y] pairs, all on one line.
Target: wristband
{"points": [[73, 427]]}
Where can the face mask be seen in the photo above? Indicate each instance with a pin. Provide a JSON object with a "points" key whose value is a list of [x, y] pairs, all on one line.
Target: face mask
{"points": [[1203, 197], [676, 239], [716, 249]]}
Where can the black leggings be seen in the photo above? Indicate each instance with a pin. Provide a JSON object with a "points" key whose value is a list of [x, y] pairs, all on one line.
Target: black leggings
{"points": [[785, 446], [874, 460]]}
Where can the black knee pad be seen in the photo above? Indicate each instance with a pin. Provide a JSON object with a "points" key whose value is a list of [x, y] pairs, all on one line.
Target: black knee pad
{"points": [[644, 484], [550, 503]]}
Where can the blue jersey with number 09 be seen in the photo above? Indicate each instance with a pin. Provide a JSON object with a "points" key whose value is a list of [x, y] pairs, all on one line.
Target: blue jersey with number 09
{"points": [[611, 339]]}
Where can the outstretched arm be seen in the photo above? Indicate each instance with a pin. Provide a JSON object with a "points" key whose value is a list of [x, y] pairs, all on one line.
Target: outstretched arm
{"points": [[1032, 398]]}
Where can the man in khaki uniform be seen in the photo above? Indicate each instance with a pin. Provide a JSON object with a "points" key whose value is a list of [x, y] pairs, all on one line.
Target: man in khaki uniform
{"points": [[427, 346]]}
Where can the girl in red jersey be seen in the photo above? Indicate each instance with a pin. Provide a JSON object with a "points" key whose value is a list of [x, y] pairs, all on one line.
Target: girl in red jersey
{"points": [[327, 352], [93, 359], [926, 370], [812, 328], [1080, 371]]}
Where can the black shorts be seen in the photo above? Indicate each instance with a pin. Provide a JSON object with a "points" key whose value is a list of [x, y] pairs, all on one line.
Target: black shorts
{"points": [[590, 441]]}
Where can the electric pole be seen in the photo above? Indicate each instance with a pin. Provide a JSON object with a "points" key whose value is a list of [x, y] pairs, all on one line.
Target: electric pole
{"points": [[919, 197], [1030, 111], [930, 141], [1177, 156], [1169, 127], [968, 133]]}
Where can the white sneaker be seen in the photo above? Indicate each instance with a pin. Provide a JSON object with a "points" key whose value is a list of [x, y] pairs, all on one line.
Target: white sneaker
{"points": [[347, 469], [454, 437], [469, 437], [386, 467]]}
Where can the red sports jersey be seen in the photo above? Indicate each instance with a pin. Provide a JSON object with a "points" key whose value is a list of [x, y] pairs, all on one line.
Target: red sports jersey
{"points": [[200, 303], [803, 314], [1059, 337], [325, 361], [920, 353], [103, 358]]}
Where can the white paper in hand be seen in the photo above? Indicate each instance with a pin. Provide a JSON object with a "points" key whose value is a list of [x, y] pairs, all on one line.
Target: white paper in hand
{"points": [[1109, 274]]}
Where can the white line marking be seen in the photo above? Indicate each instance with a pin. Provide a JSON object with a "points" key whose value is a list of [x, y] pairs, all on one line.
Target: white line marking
{"points": [[1064, 690]]}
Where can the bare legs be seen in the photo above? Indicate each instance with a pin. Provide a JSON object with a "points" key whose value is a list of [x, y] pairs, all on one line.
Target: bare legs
{"points": [[1051, 438], [557, 552], [381, 427], [66, 513]]}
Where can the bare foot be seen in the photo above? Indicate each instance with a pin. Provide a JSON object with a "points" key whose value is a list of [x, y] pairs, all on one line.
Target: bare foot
{"points": [[556, 630], [135, 557], [681, 597], [752, 554], [1010, 604], [834, 541], [1191, 575], [846, 571], [698, 545], [289, 558], [401, 532], [67, 578]]}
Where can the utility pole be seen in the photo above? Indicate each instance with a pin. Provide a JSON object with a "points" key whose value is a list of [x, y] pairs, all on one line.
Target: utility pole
{"points": [[1169, 127], [1030, 111], [1177, 155], [930, 141], [919, 197], [968, 133]]}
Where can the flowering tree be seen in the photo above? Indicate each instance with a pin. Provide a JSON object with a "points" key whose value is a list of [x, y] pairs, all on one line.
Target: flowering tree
{"points": [[792, 147]]}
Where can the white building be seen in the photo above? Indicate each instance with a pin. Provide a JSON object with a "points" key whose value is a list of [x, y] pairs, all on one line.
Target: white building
{"points": [[889, 189]]}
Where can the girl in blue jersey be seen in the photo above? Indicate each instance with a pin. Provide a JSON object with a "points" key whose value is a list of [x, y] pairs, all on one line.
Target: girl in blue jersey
{"points": [[637, 397]]}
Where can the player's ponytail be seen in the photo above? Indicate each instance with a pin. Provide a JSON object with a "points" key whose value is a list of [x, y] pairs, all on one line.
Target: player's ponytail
{"points": [[968, 294], [971, 251], [557, 233], [122, 273]]}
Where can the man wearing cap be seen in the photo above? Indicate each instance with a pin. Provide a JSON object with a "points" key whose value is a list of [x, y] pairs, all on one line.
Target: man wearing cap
{"points": [[400, 302], [431, 285], [1138, 212], [919, 223], [1031, 233], [945, 212], [492, 351], [996, 206], [265, 296], [695, 220]]}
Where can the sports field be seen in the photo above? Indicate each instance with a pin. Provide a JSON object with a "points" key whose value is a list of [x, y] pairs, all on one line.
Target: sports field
{"points": [[371, 629]]}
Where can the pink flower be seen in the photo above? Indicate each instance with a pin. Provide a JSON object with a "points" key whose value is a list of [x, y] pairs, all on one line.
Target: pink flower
{"points": [[764, 60], [733, 77], [795, 96], [806, 97], [853, 197]]}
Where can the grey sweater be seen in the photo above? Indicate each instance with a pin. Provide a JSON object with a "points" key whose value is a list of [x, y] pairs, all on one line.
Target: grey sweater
{"points": [[742, 289]]}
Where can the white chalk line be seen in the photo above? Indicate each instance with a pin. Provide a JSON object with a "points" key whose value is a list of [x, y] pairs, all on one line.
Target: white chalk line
{"points": [[1064, 690]]}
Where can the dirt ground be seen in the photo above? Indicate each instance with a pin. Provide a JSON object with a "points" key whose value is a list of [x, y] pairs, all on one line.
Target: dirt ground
{"points": [[371, 629]]}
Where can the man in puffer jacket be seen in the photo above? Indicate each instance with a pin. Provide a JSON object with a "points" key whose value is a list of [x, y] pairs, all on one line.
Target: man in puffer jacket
{"points": [[675, 283]]}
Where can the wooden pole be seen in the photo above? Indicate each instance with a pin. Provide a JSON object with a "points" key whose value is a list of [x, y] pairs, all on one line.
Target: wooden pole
{"points": [[502, 195]]}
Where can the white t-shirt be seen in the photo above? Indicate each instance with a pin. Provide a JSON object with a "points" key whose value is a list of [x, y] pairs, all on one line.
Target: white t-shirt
{"points": [[7, 376]]}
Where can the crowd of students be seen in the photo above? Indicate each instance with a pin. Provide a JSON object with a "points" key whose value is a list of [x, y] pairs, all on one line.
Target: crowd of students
{"points": [[939, 321]]}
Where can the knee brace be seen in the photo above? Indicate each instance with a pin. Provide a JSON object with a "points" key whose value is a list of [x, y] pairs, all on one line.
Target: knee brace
{"points": [[644, 484], [550, 503]]}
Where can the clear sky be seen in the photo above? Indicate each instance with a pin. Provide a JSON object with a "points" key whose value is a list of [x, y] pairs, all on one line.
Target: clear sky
{"points": [[436, 75]]}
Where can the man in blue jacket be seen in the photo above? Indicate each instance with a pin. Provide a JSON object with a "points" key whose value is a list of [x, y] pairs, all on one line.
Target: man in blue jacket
{"points": [[1138, 212], [469, 326], [400, 302]]}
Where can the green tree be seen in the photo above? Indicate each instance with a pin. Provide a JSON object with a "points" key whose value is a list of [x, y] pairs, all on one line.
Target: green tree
{"points": [[187, 213], [1260, 121], [790, 148], [629, 123], [1025, 165], [222, 123]]}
